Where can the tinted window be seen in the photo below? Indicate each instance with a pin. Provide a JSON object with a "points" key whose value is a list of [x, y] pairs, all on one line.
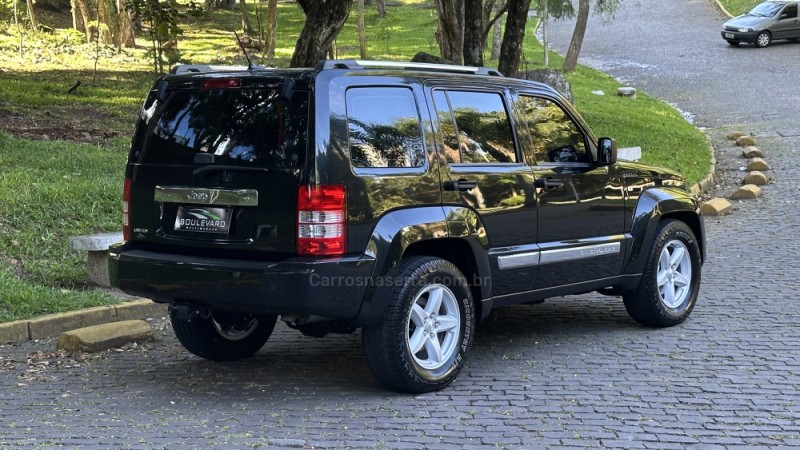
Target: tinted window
{"points": [[384, 128], [790, 11], [447, 126], [482, 131], [554, 135], [238, 126]]}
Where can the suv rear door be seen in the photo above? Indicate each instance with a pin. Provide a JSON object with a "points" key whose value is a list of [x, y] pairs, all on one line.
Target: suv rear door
{"points": [[485, 172], [218, 159]]}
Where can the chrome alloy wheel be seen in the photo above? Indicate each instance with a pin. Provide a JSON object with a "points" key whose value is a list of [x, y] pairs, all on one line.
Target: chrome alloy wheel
{"points": [[674, 277], [236, 331], [434, 326]]}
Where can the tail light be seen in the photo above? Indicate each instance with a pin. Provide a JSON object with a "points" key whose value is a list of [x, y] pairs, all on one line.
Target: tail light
{"points": [[126, 209], [321, 220]]}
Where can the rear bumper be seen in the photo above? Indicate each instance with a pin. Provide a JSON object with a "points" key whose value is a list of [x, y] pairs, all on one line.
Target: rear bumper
{"points": [[738, 36], [329, 288]]}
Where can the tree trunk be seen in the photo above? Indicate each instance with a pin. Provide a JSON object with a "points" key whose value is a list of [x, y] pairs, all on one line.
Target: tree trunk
{"points": [[380, 5], [473, 33], [362, 32], [81, 4], [511, 49], [497, 38], [32, 16], [272, 25], [451, 30], [571, 60], [209, 8], [493, 24], [125, 35], [247, 30], [324, 20], [77, 19], [103, 22]]}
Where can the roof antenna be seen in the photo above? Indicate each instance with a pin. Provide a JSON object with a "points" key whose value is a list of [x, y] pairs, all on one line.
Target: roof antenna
{"points": [[250, 65]]}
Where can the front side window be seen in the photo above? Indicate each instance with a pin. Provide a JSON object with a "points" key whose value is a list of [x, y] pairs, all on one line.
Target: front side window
{"points": [[790, 12], [475, 127], [555, 137], [384, 128]]}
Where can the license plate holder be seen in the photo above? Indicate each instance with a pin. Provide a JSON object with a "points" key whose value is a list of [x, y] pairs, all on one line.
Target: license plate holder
{"points": [[729, 36], [203, 219]]}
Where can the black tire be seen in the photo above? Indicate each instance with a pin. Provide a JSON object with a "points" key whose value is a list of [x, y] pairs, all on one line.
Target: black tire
{"points": [[733, 43], [448, 326], [763, 39], [223, 336], [671, 302]]}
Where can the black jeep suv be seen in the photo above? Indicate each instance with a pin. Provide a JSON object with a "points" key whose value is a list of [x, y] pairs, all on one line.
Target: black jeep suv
{"points": [[408, 200]]}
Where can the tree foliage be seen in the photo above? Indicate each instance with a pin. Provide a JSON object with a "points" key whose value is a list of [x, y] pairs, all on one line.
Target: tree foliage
{"points": [[161, 20]]}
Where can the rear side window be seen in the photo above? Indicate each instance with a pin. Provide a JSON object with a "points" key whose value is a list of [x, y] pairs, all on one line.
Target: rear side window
{"points": [[384, 127], [249, 127], [482, 131]]}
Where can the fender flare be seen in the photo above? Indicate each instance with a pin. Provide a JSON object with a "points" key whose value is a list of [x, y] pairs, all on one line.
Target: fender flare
{"points": [[397, 230], [654, 205]]}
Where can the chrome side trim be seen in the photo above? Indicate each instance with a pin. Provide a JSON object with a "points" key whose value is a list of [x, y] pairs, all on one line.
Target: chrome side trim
{"points": [[583, 252], [519, 260], [204, 196], [541, 257]]}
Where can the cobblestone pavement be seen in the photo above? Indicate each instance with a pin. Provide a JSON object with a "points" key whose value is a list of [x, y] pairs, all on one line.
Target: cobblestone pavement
{"points": [[570, 373]]}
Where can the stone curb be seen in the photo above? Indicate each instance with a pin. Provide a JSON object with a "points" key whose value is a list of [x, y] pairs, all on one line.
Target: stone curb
{"points": [[707, 183], [722, 8], [98, 338], [55, 324]]}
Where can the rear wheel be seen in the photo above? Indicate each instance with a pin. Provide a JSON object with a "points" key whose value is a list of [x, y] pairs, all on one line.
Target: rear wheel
{"points": [[223, 336], [763, 39], [670, 282], [426, 333]]}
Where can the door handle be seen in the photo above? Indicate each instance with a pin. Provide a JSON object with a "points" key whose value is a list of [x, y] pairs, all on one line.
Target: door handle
{"points": [[459, 185], [548, 183]]}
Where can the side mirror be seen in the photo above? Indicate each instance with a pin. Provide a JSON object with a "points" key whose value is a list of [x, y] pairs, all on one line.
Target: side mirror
{"points": [[606, 151]]}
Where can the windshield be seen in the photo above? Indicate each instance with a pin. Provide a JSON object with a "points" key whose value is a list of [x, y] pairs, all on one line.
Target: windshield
{"points": [[250, 127], [765, 10]]}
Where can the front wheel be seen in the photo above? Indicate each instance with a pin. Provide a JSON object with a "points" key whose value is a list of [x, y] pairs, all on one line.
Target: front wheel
{"points": [[426, 333], [670, 282], [223, 336], [763, 39]]}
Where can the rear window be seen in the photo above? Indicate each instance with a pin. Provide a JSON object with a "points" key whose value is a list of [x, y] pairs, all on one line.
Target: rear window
{"points": [[249, 127]]}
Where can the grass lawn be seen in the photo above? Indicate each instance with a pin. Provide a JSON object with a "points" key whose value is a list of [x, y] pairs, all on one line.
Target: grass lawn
{"points": [[67, 180], [737, 7]]}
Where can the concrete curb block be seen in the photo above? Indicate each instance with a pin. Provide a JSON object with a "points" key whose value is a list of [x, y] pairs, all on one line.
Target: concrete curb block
{"points": [[55, 324], [14, 332], [102, 337]]}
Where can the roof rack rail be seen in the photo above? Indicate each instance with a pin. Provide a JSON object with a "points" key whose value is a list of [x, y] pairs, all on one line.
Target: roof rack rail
{"points": [[201, 68], [364, 64]]}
